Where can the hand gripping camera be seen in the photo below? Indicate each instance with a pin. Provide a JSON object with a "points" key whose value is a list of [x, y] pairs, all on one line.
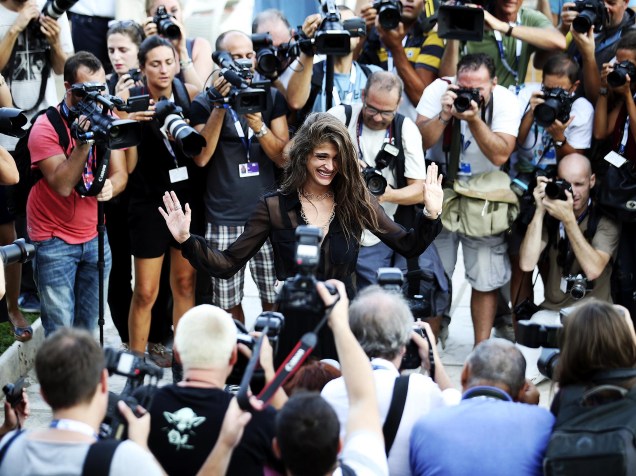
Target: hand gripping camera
{"points": [[618, 76], [171, 117], [389, 13], [166, 27], [557, 188], [591, 13], [372, 176], [464, 98], [557, 104]]}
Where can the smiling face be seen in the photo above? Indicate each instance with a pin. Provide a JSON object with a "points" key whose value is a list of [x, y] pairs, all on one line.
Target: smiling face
{"points": [[159, 67], [322, 167], [122, 52]]}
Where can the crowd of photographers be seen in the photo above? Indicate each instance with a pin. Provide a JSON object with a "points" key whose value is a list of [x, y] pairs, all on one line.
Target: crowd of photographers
{"points": [[538, 179]]}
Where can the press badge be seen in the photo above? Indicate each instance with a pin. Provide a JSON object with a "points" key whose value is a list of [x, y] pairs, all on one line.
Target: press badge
{"points": [[615, 159], [464, 169], [179, 174], [248, 169]]}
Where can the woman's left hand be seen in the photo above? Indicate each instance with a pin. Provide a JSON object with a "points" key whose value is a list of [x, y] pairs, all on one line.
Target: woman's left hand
{"points": [[433, 192], [178, 222]]}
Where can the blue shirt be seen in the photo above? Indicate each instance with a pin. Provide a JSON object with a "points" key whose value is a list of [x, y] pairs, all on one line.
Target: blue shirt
{"points": [[481, 436]]}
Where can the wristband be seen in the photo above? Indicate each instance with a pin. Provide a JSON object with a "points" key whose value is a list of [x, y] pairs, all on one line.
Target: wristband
{"points": [[509, 32], [185, 64], [603, 91], [428, 214], [442, 120]]}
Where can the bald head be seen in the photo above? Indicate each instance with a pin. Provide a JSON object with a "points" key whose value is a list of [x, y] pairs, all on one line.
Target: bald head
{"points": [[495, 363], [575, 162], [228, 39]]}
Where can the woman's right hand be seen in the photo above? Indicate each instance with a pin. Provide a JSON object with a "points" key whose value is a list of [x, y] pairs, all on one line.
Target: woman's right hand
{"points": [[178, 222], [149, 27]]}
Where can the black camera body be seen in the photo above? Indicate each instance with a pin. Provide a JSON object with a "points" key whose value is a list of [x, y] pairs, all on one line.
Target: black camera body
{"points": [[591, 13], [464, 97], [13, 392], [135, 369], [389, 13], [331, 37], [618, 76], [12, 122], [457, 21], [242, 98], [267, 61], [166, 26], [578, 285], [135, 74], [557, 188], [557, 105], [171, 116], [372, 176]]}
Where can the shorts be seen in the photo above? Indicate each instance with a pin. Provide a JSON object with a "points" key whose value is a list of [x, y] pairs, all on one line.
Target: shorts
{"points": [[149, 234], [485, 259], [228, 293]]}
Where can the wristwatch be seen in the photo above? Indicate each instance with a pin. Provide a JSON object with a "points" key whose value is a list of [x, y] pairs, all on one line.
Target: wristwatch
{"points": [[428, 214], [559, 143], [603, 91], [263, 130]]}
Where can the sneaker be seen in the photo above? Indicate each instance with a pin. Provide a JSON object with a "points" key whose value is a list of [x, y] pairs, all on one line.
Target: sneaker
{"points": [[504, 329], [443, 330], [29, 302], [160, 355]]}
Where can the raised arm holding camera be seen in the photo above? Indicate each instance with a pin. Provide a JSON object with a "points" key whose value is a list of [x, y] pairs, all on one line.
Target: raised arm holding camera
{"points": [[579, 241]]}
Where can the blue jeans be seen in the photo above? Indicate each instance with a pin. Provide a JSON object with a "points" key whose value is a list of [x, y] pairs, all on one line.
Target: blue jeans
{"points": [[67, 279]]}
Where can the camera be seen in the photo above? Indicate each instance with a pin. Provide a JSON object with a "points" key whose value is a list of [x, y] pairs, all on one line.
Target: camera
{"points": [[135, 74], [578, 286], [591, 13], [557, 188], [56, 8], [331, 37], [12, 122], [299, 293], [135, 369], [267, 321], [105, 129], [17, 252], [458, 21], [389, 13], [171, 117], [618, 76], [372, 176], [557, 104], [464, 97], [243, 98], [13, 392], [165, 25], [267, 60]]}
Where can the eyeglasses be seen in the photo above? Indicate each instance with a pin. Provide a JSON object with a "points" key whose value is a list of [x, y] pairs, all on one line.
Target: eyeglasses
{"points": [[373, 112]]}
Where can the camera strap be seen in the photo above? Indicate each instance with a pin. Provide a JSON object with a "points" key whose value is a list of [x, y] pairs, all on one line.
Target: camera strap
{"points": [[247, 142], [565, 253], [388, 134]]}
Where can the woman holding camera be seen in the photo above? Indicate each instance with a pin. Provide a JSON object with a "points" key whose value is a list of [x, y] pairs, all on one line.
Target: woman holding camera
{"points": [[161, 165], [194, 55], [322, 187], [123, 39]]}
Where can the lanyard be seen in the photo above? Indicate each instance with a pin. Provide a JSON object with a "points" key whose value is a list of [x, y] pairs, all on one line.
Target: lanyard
{"points": [[239, 130], [623, 145], [73, 425], [387, 135], [579, 220], [502, 55], [90, 165], [389, 60], [348, 97]]}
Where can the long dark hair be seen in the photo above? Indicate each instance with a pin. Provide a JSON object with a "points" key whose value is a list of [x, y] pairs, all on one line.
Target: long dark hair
{"points": [[595, 337], [354, 207]]}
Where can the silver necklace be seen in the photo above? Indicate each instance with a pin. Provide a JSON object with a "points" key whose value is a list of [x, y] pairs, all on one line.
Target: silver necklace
{"points": [[324, 226], [311, 196]]}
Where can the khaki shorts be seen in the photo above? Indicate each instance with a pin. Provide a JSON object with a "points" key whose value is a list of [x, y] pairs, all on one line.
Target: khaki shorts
{"points": [[485, 259]]}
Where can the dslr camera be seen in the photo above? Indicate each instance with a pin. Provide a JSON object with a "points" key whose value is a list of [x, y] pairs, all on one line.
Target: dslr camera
{"points": [[267, 60], [135, 369], [557, 188], [105, 129], [171, 117], [578, 285], [166, 26], [618, 76], [464, 98], [557, 104], [389, 13], [591, 13], [372, 176], [243, 98], [458, 21]]}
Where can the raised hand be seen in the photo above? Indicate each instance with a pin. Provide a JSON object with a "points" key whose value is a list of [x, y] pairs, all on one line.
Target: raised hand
{"points": [[178, 222], [433, 194]]}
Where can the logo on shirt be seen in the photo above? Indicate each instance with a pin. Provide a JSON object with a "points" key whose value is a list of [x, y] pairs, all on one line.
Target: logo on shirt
{"points": [[181, 425]]}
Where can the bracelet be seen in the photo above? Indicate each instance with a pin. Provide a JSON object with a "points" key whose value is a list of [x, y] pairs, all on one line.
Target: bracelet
{"points": [[509, 32], [429, 215], [442, 120], [603, 91], [185, 64]]}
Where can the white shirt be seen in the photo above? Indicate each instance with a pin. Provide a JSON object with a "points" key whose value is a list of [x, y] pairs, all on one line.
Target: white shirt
{"points": [[505, 119], [98, 8], [578, 133], [363, 452], [423, 396], [370, 143]]}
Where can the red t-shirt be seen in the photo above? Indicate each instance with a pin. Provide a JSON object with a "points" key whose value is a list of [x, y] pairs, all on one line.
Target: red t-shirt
{"points": [[72, 219]]}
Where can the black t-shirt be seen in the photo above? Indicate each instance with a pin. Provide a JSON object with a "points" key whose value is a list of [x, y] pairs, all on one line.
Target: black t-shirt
{"points": [[233, 188], [185, 424]]}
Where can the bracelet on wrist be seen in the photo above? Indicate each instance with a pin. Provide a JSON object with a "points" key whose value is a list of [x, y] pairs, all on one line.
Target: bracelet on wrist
{"points": [[444, 121], [186, 64]]}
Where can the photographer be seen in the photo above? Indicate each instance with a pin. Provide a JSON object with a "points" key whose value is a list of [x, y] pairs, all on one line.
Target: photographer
{"points": [[73, 381], [512, 34], [482, 137], [596, 46], [186, 417], [411, 50], [242, 156], [382, 323], [61, 222], [579, 241]]}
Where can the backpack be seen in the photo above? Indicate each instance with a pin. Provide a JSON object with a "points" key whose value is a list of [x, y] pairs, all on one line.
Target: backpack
{"points": [[594, 439], [18, 194]]}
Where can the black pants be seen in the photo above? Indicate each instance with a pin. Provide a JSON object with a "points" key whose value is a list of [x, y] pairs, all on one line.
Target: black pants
{"points": [[89, 34]]}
